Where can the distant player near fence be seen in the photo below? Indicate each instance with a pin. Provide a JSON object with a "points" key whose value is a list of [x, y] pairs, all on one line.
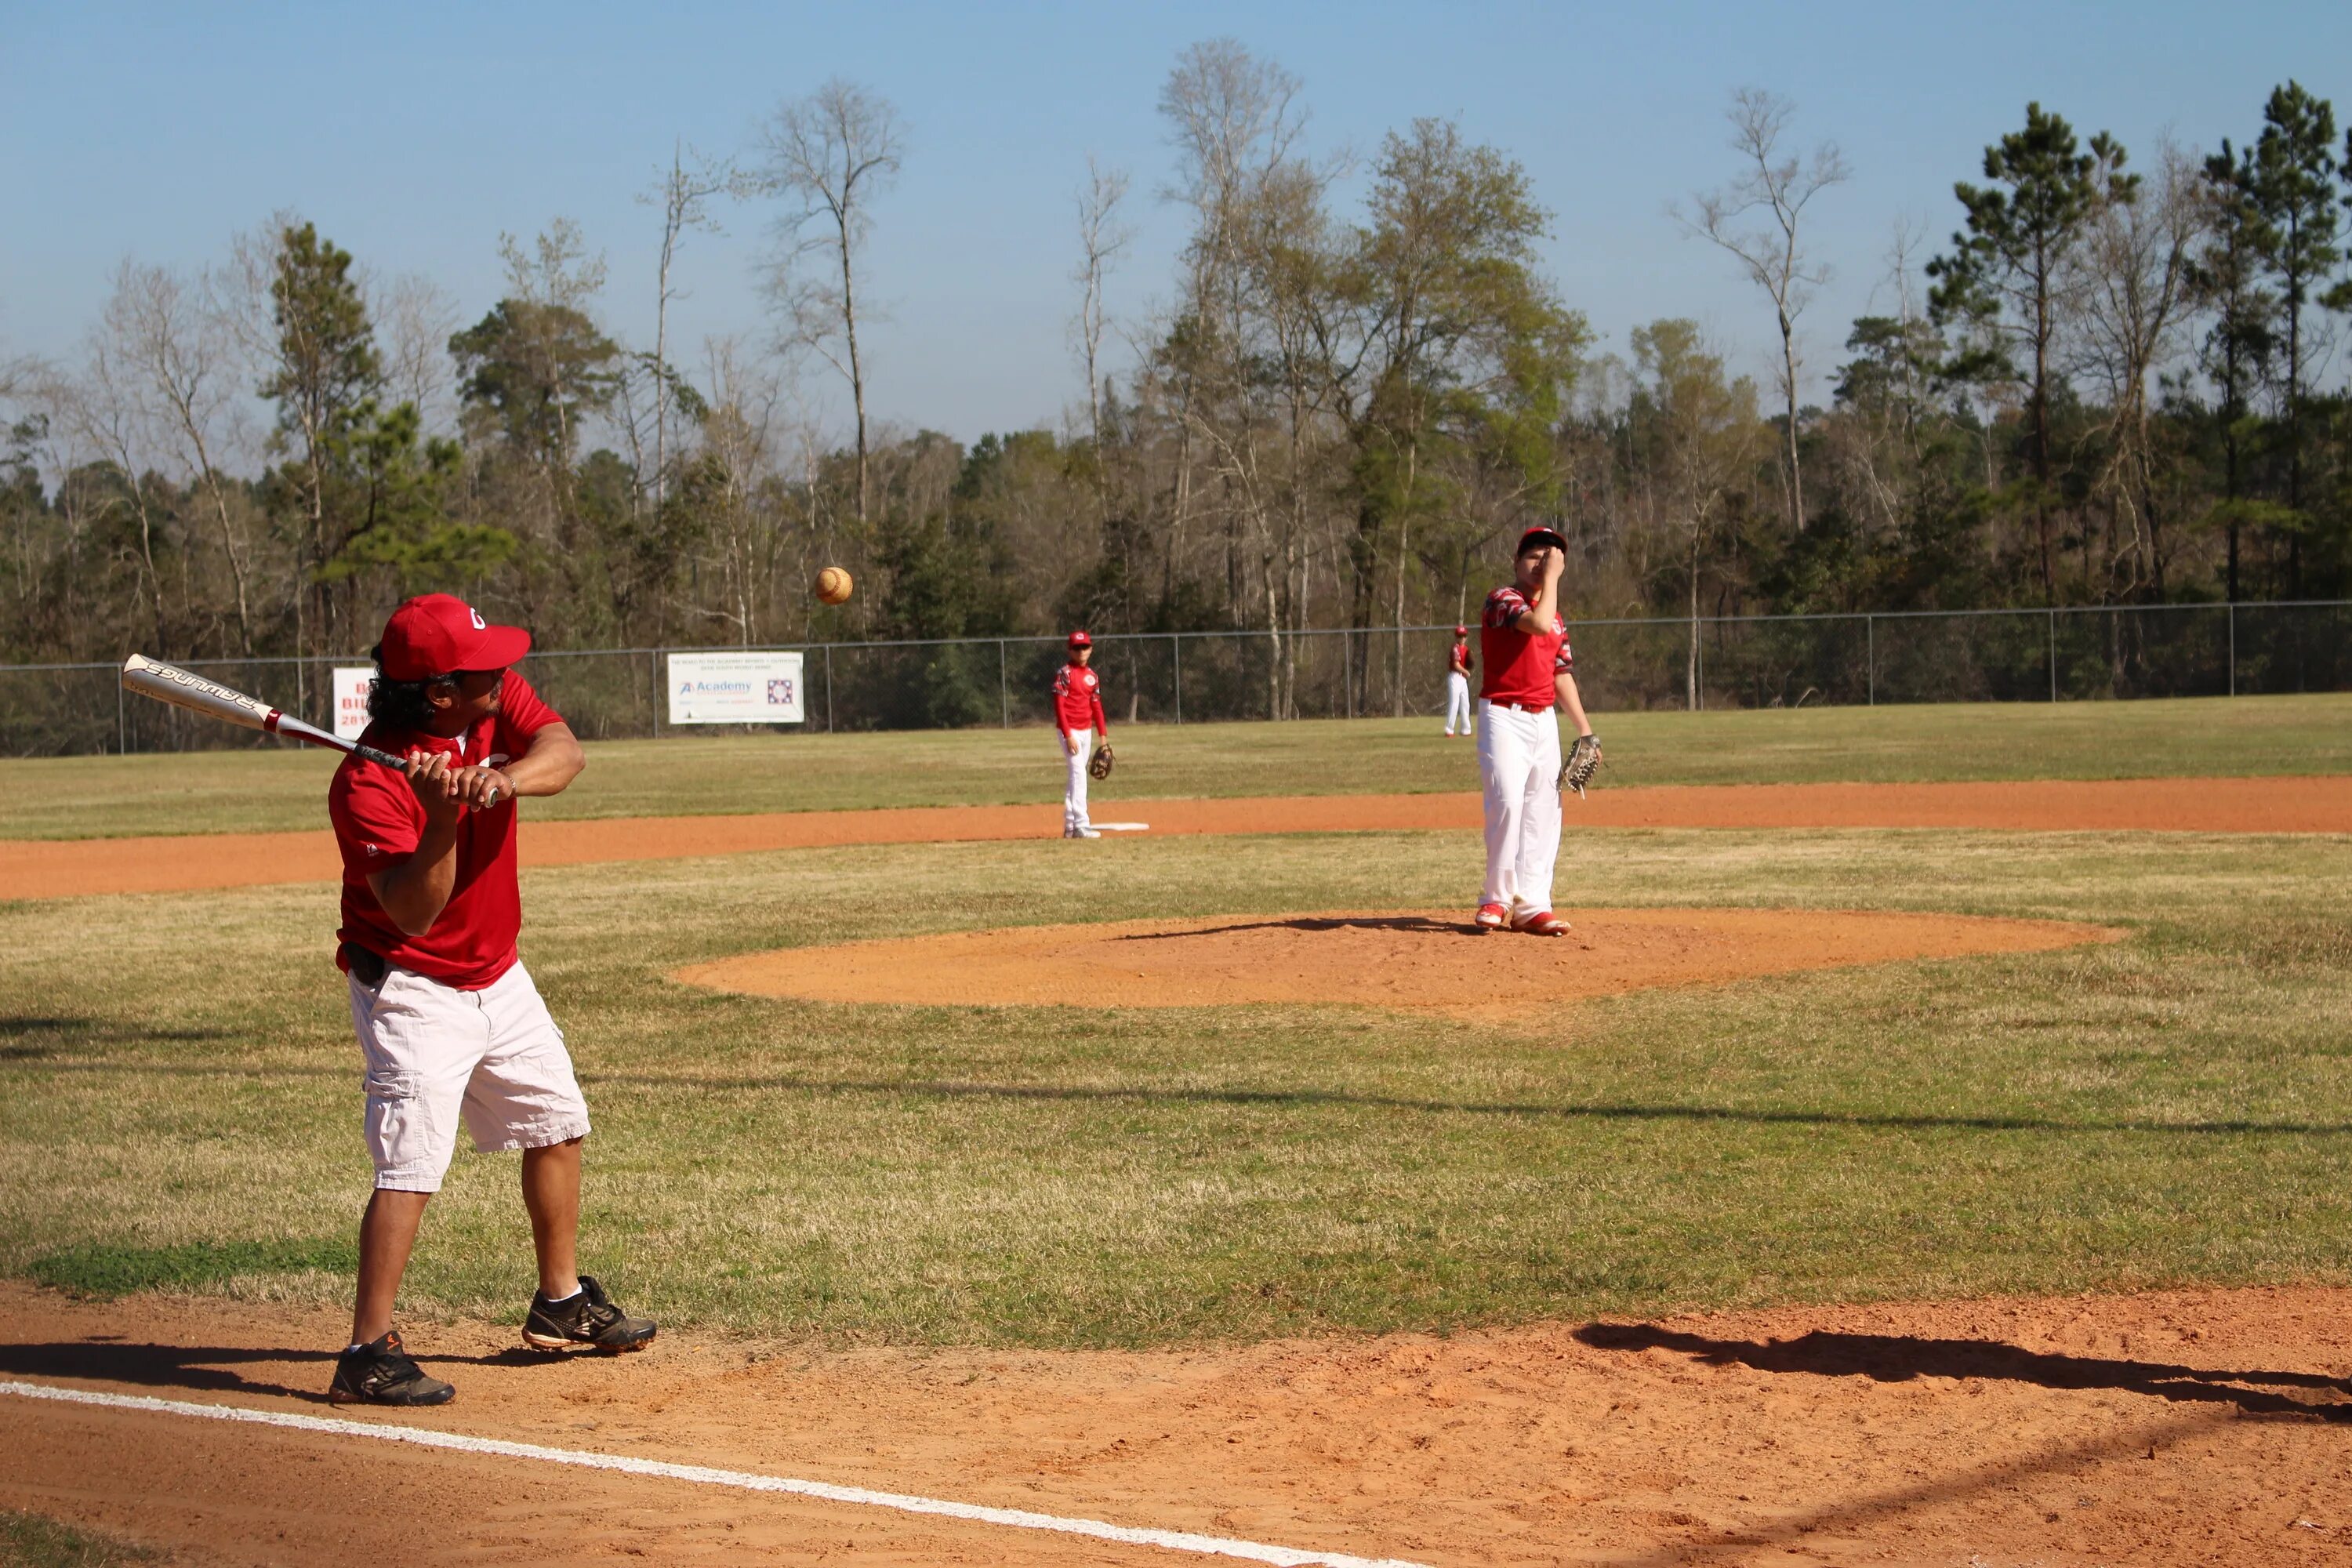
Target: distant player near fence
{"points": [[450, 1027], [1457, 682], [1078, 721], [1529, 671]]}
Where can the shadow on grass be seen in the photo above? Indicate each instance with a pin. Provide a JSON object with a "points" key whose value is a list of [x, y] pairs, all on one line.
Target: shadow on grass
{"points": [[1900, 1358], [71, 1031], [207, 1369], [1317, 1098], [1288, 1098]]}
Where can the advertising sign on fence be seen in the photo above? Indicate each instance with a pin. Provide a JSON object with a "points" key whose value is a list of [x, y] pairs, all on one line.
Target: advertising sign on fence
{"points": [[351, 683], [735, 688]]}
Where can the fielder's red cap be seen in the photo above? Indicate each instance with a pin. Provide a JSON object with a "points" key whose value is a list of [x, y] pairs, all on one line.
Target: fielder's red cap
{"points": [[438, 633], [1539, 534], [1462, 631], [1079, 639]]}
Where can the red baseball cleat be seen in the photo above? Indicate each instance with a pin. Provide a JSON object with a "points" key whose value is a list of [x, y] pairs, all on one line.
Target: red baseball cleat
{"points": [[1490, 917], [1544, 924]]}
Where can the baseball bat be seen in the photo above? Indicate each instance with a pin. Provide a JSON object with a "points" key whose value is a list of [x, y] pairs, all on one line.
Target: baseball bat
{"points": [[185, 688]]}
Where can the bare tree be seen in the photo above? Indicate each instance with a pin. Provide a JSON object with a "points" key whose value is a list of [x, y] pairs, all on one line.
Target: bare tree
{"points": [[684, 193], [105, 411], [1904, 241], [2132, 278], [185, 356], [1234, 118], [418, 316], [556, 271], [1872, 440], [557, 274], [832, 151], [1101, 237], [240, 293], [1700, 429], [736, 461], [1778, 187]]}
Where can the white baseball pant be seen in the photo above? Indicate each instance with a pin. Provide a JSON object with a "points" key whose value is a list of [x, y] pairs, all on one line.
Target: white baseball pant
{"points": [[1457, 701], [1081, 749], [1518, 771]]}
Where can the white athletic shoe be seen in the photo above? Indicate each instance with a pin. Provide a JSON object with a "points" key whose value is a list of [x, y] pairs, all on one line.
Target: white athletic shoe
{"points": [[1086, 833]]}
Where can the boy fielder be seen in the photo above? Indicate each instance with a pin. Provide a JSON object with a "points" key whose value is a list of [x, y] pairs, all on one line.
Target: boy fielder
{"points": [[449, 1022], [1457, 682], [1079, 718], [1528, 669]]}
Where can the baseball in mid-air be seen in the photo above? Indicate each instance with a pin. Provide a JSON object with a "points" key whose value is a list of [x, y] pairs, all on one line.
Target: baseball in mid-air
{"points": [[833, 586]]}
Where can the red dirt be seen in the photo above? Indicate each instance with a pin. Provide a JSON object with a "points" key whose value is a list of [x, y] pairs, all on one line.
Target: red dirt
{"points": [[1413, 960], [69, 868], [2167, 1428]]}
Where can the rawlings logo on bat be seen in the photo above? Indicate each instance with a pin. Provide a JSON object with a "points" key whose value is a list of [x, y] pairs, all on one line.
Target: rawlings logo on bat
{"points": [[194, 682]]}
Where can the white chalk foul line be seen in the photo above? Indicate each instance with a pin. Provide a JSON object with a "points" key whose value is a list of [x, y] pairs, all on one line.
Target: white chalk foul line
{"points": [[703, 1475]]}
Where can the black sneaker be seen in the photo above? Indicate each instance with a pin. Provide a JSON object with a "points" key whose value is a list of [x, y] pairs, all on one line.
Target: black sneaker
{"points": [[382, 1373], [586, 1321]]}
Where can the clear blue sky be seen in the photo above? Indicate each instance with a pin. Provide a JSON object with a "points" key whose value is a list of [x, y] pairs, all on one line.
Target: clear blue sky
{"points": [[414, 134]]}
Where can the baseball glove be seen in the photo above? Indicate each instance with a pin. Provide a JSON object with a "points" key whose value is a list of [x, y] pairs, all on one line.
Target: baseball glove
{"points": [[1583, 762], [1099, 766]]}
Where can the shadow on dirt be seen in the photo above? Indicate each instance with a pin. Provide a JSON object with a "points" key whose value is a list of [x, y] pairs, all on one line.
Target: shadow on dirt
{"points": [[1427, 923], [1900, 1358], [205, 1368]]}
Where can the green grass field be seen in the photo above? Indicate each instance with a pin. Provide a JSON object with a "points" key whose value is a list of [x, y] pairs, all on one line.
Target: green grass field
{"points": [[281, 788], [179, 1093], [34, 1540]]}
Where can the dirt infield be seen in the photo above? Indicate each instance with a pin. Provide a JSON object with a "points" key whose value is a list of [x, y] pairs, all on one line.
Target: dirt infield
{"points": [[2176, 1428], [69, 868], [1413, 960]]}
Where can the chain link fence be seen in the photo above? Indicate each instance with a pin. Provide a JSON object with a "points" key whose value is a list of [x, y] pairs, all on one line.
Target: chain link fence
{"points": [[1759, 662]]}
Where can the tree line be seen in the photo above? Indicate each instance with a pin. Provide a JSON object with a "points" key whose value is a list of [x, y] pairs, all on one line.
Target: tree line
{"points": [[2111, 384]]}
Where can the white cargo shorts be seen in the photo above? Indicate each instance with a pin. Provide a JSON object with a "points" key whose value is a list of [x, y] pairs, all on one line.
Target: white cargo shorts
{"points": [[435, 1052]]}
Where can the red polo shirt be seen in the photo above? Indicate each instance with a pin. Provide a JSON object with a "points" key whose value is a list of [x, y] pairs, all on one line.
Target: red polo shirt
{"points": [[378, 822]]}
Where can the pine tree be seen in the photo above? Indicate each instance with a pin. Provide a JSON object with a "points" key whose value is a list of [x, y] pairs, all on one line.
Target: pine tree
{"points": [[2293, 189], [2005, 271], [2227, 277], [327, 365]]}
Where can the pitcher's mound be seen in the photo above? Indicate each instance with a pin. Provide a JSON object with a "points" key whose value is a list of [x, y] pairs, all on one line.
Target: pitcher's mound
{"points": [[1413, 960]]}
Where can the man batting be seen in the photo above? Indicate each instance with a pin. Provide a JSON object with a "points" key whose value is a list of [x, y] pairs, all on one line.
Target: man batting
{"points": [[1457, 680], [1078, 720], [449, 1024], [1529, 670]]}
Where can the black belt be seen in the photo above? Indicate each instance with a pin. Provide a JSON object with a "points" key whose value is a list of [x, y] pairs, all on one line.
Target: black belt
{"points": [[364, 963], [1517, 706]]}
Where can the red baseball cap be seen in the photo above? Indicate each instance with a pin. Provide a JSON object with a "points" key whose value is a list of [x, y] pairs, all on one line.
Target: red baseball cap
{"points": [[1462, 631], [439, 634], [1079, 639], [1539, 534]]}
